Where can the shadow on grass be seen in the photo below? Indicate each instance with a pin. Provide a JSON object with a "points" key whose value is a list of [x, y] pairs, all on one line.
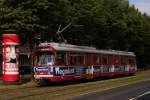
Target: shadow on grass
{"points": [[80, 81], [23, 80]]}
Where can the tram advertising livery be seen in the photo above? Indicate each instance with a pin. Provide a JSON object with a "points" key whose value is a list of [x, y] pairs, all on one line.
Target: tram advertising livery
{"points": [[61, 62]]}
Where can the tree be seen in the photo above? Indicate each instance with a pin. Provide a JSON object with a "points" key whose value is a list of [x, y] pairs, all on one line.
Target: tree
{"points": [[106, 24]]}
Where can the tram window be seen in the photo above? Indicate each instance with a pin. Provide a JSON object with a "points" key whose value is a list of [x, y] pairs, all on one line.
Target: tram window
{"points": [[106, 59], [131, 61], [116, 59], [123, 60], [88, 59], [61, 58], [73, 58], [96, 59], [80, 58]]}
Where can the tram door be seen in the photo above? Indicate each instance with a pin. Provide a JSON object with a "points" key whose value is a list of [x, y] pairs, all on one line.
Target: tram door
{"points": [[89, 72]]}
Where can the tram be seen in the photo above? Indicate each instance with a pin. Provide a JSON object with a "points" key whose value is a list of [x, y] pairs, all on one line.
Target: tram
{"points": [[54, 62]]}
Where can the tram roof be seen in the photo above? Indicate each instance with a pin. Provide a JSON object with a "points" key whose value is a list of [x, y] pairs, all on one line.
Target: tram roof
{"points": [[69, 47]]}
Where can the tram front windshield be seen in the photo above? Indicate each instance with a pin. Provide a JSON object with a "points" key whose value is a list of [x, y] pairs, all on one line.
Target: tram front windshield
{"points": [[43, 59]]}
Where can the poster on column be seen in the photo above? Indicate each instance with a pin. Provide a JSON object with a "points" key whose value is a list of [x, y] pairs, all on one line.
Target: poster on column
{"points": [[11, 60]]}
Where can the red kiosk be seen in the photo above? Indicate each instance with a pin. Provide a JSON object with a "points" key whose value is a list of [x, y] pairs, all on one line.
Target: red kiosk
{"points": [[10, 41]]}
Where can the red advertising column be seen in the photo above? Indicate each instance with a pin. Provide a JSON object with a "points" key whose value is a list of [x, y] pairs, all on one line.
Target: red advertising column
{"points": [[10, 41]]}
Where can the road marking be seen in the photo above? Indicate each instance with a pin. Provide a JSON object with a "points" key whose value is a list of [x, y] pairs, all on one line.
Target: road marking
{"points": [[140, 95]]}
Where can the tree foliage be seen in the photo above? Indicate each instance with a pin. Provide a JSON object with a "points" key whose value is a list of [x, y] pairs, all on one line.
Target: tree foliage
{"points": [[106, 24]]}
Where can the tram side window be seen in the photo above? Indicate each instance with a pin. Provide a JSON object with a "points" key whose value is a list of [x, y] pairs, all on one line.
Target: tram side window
{"points": [[116, 59], [132, 61], [96, 59], [106, 60], [88, 58], [80, 58], [61, 58], [73, 58], [123, 59]]}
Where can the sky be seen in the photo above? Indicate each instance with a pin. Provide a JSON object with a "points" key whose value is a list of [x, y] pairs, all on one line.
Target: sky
{"points": [[142, 5]]}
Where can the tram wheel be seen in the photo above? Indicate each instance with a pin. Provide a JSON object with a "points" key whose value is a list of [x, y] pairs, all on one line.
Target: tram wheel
{"points": [[42, 82]]}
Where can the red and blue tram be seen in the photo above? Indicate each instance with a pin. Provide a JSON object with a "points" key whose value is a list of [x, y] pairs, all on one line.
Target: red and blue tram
{"points": [[61, 62]]}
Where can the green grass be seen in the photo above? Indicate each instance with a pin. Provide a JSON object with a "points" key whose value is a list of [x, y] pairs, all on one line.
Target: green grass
{"points": [[63, 91]]}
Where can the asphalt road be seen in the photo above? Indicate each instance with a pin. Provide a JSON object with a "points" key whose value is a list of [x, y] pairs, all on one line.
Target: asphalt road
{"points": [[137, 91]]}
